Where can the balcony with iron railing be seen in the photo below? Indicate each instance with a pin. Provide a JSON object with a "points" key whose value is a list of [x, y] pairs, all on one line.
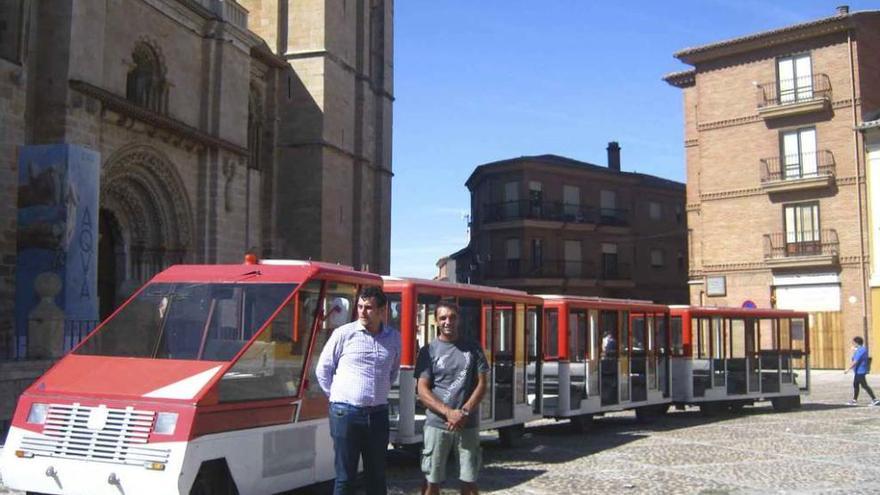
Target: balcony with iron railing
{"points": [[798, 171], [555, 269], [553, 211], [523, 268], [797, 96], [801, 249]]}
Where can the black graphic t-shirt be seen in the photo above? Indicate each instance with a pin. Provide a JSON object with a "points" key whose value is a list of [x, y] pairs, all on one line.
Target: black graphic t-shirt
{"points": [[452, 369]]}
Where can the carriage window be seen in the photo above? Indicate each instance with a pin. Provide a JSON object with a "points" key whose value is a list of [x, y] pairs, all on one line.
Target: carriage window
{"points": [[703, 346], [623, 343], [784, 334], [339, 309], [392, 317], [638, 332], [768, 335], [469, 318], [504, 330], [272, 366], [677, 339], [608, 324], [577, 336], [426, 320], [532, 333], [737, 338], [551, 332], [717, 338]]}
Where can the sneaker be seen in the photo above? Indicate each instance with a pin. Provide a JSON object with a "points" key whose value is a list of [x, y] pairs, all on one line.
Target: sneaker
{"points": [[875, 402], [852, 402]]}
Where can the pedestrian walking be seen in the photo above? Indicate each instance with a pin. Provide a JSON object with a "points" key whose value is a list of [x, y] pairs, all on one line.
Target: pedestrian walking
{"points": [[452, 376], [859, 368], [356, 368]]}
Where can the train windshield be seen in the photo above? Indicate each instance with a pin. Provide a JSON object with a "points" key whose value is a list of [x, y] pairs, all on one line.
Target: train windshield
{"points": [[192, 321]]}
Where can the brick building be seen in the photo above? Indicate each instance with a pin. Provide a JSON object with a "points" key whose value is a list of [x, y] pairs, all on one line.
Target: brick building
{"points": [[776, 206], [550, 224], [221, 127]]}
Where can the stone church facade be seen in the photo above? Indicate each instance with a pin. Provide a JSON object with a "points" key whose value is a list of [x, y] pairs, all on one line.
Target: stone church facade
{"points": [[222, 127]]}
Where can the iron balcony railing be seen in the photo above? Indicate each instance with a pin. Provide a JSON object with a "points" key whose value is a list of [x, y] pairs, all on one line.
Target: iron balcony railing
{"points": [[789, 91], [538, 210], [797, 166], [782, 245], [524, 268], [554, 212]]}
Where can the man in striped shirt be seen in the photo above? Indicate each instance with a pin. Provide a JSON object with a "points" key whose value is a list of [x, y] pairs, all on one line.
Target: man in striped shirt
{"points": [[357, 367]]}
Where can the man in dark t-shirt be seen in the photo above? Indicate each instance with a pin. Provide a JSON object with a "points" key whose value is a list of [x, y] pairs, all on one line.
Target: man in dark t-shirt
{"points": [[452, 376]]}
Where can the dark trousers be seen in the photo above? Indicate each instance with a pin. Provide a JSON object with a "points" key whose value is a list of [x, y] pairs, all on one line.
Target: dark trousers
{"points": [[359, 432], [859, 379]]}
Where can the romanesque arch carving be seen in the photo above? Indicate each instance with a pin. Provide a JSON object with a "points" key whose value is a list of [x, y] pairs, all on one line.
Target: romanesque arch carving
{"points": [[145, 194]]}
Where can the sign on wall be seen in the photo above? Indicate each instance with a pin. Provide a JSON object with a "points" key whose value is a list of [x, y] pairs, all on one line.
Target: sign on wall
{"points": [[716, 286]]}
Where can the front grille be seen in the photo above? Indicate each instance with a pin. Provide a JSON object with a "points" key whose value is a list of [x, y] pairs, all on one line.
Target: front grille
{"points": [[121, 440]]}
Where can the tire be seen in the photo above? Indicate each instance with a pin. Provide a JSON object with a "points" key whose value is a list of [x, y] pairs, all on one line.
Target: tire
{"points": [[784, 404], [509, 435], [581, 423], [709, 409], [648, 414], [214, 479]]}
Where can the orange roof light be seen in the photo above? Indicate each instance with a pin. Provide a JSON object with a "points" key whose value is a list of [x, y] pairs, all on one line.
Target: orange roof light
{"points": [[251, 259]]}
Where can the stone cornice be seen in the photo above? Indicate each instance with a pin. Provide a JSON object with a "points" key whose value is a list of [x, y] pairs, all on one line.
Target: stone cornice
{"points": [[690, 143], [759, 266], [758, 191], [750, 119], [178, 129]]}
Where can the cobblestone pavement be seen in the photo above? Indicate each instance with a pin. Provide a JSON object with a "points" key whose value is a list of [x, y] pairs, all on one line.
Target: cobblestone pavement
{"points": [[825, 447]]}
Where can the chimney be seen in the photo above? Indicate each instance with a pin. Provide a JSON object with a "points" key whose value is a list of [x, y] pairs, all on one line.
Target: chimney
{"points": [[843, 10], [614, 156]]}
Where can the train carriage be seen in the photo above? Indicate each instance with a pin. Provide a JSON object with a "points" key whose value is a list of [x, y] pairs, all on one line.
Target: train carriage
{"points": [[731, 357], [506, 323], [201, 383], [604, 355]]}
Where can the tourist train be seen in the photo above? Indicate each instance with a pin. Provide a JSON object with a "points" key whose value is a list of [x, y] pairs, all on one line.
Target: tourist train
{"points": [[203, 382]]}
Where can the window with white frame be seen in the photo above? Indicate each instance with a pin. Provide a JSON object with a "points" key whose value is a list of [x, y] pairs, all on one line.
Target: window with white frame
{"points": [[571, 202], [655, 210], [799, 153], [573, 258], [802, 234], [794, 78], [657, 258]]}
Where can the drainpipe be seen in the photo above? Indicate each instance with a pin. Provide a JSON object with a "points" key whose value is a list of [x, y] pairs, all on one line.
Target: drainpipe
{"points": [[859, 178]]}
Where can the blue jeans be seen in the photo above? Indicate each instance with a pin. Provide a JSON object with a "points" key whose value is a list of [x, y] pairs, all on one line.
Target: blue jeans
{"points": [[359, 432]]}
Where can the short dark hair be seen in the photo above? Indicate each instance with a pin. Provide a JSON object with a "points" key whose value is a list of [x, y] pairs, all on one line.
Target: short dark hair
{"points": [[448, 304], [376, 293], [858, 340]]}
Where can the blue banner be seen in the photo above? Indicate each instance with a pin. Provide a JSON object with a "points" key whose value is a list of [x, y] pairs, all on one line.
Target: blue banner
{"points": [[57, 230]]}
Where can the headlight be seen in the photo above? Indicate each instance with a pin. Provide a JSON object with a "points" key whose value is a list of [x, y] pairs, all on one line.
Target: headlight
{"points": [[165, 423], [37, 414]]}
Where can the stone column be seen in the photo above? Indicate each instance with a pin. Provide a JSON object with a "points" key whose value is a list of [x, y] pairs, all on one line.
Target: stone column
{"points": [[45, 337]]}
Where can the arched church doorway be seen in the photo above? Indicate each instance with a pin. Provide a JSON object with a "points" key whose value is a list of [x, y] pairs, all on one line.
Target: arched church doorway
{"points": [[145, 222], [111, 262]]}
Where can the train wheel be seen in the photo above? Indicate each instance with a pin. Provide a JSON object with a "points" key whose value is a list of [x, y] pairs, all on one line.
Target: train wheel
{"points": [[581, 423], [510, 435], [647, 414], [783, 404], [709, 409], [736, 407]]}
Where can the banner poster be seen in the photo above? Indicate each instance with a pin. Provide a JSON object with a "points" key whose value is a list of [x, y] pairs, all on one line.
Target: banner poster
{"points": [[57, 234]]}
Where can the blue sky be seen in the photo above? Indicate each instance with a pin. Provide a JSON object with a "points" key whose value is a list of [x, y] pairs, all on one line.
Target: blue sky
{"points": [[483, 80]]}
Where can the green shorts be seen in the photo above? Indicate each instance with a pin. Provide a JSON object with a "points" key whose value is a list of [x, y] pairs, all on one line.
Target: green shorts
{"points": [[439, 442]]}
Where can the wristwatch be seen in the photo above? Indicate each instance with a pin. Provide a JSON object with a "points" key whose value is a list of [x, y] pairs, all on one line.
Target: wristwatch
{"points": [[465, 411]]}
